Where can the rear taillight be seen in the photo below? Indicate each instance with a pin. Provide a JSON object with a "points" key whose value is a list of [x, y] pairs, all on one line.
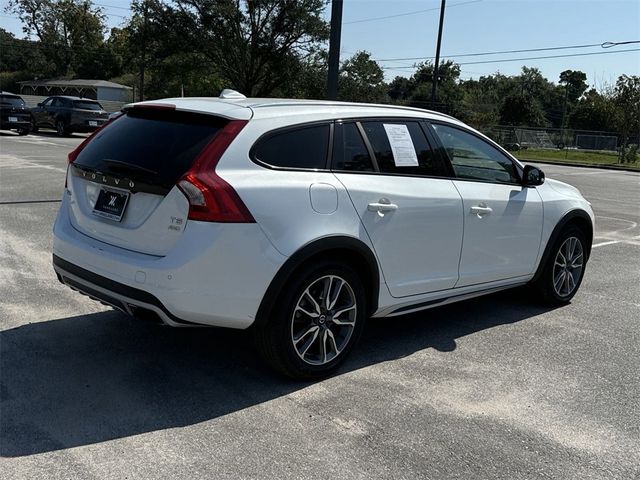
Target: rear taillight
{"points": [[211, 199]]}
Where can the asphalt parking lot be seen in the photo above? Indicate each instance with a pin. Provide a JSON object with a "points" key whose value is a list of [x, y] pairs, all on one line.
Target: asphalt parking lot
{"points": [[496, 387]]}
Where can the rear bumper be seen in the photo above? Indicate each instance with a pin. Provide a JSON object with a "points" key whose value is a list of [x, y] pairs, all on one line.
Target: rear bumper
{"points": [[118, 295], [7, 125], [83, 126], [217, 274]]}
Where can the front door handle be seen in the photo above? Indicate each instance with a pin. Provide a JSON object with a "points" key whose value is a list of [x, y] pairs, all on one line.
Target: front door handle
{"points": [[382, 206], [481, 210]]}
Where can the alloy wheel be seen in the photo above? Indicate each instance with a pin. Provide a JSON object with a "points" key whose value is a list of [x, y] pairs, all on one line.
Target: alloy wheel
{"points": [[568, 265], [323, 320]]}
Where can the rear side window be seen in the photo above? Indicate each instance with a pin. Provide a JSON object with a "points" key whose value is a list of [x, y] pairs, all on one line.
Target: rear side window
{"points": [[153, 146], [84, 105], [350, 152], [402, 148], [304, 147]]}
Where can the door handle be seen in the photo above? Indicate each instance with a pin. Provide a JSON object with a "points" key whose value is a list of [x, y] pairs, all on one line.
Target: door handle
{"points": [[481, 210], [382, 206]]}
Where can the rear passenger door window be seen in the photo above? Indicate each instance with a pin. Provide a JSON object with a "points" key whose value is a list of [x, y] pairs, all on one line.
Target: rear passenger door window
{"points": [[350, 151], [299, 148], [473, 158], [401, 147]]}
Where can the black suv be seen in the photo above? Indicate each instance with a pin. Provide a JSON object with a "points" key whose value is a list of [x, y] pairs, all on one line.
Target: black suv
{"points": [[14, 114], [68, 115]]}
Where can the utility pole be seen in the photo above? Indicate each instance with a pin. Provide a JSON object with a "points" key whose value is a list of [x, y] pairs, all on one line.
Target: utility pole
{"points": [[144, 49], [434, 81], [334, 49]]}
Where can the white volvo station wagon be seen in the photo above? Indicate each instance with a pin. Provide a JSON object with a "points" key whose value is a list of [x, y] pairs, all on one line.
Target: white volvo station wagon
{"points": [[301, 219]]}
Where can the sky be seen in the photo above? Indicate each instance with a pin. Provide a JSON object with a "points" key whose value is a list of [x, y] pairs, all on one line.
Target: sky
{"points": [[409, 29]]}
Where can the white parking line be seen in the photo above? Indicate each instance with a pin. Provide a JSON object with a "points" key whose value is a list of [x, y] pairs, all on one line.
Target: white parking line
{"points": [[606, 243]]}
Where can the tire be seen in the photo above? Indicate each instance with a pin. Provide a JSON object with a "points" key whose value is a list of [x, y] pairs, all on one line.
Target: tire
{"points": [[23, 131], [34, 126], [296, 317], [560, 280], [61, 128]]}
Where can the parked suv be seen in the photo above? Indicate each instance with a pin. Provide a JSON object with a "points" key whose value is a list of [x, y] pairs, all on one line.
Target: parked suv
{"points": [[68, 114], [301, 219], [14, 114]]}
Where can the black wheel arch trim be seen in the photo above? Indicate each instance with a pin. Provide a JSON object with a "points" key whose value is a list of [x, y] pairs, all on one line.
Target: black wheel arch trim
{"points": [[564, 221], [310, 250]]}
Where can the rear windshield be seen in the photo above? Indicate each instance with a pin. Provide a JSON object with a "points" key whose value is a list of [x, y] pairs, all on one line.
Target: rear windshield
{"points": [[153, 146], [84, 105], [10, 100]]}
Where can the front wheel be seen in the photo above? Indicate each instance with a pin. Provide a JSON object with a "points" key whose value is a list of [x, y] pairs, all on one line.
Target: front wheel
{"points": [[564, 270], [23, 131], [316, 322]]}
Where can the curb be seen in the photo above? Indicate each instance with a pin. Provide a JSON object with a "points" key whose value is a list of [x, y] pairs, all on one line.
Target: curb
{"points": [[584, 165]]}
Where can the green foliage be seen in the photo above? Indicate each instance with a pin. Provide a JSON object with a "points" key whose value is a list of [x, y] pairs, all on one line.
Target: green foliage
{"points": [[575, 83], [629, 154], [522, 109], [253, 46], [594, 111], [70, 32], [361, 80]]}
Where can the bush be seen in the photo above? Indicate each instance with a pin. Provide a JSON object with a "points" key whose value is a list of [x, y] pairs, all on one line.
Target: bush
{"points": [[629, 154]]}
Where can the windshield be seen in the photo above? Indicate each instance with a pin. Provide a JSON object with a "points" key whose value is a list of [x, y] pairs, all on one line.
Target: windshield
{"points": [[11, 100], [84, 105], [153, 146]]}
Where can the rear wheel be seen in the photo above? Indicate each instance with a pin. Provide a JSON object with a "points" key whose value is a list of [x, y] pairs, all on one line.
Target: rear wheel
{"points": [[61, 128], [316, 322], [564, 270], [23, 130], [34, 125]]}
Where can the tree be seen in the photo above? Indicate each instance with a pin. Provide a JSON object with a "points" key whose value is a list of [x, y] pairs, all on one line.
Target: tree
{"points": [[254, 46], [627, 102], [70, 32], [449, 95], [593, 112], [522, 109], [361, 80], [575, 83]]}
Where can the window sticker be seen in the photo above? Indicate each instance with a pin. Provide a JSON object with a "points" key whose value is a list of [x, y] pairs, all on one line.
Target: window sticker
{"points": [[404, 153]]}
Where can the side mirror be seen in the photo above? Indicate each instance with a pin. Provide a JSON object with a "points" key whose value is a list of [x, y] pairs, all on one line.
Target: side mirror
{"points": [[40, 104], [532, 176]]}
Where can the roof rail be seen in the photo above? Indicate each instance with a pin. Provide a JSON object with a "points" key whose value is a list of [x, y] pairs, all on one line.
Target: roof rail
{"points": [[298, 103]]}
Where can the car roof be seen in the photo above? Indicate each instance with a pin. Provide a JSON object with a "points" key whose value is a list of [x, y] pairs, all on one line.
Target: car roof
{"points": [[68, 97], [256, 108]]}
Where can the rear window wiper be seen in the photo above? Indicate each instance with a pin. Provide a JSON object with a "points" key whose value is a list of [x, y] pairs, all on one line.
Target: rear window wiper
{"points": [[131, 167]]}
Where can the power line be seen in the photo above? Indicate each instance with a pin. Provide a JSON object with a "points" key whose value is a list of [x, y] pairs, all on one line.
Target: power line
{"points": [[542, 49], [533, 58], [416, 12], [112, 6], [552, 56]]}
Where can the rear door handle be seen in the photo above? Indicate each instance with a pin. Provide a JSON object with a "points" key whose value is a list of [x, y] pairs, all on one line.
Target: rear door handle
{"points": [[382, 206], [481, 210]]}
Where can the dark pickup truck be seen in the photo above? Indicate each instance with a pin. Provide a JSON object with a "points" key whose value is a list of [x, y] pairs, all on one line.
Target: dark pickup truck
{"points": [[68, 114], [14, 115]]}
